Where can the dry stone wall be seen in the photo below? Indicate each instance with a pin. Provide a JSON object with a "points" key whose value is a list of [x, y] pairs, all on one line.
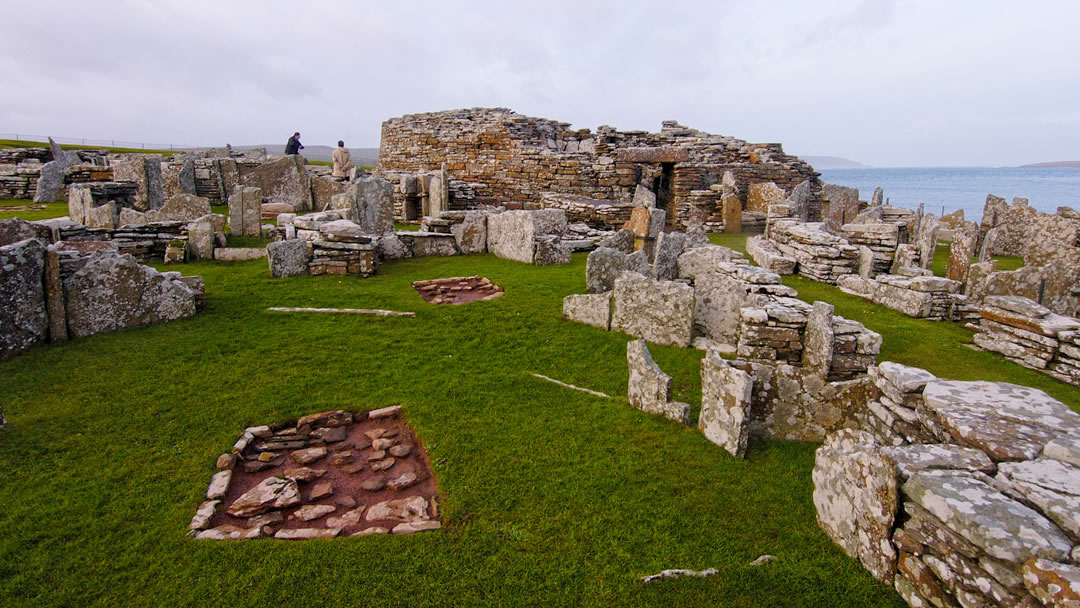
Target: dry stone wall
{"points": [[819, 255], [914, 292], [503, 156], [1029, 334]]}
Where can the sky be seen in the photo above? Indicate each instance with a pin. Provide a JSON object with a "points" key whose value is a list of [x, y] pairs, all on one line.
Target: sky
{"points": [[888, 83]]}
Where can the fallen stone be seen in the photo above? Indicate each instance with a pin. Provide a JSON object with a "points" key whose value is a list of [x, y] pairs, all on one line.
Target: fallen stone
{"points": [[1053, 583], [307, 533], [310, 512], [266, 519], [271, 493], [416, 526], [372, 530], [229, 532], [308, 455], [405, 480], [350, 518], [382, 465], [373, 485], [203, 515], [658, 311], [401, 451], [219, 484], [321, 490], [386, 412]]}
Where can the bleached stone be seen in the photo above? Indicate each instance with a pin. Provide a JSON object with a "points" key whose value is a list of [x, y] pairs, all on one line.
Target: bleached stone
{"points": [[725, 404], [649, 388], [659, 311]]}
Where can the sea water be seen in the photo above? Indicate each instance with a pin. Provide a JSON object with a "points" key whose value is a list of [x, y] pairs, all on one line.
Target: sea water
{"points": [[946, 189]]}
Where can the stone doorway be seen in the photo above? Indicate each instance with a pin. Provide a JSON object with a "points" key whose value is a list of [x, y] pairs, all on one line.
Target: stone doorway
{"points": [[662, 185], [412, 208]]}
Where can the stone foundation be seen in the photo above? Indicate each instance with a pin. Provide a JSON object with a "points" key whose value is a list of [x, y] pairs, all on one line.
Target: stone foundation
{"points": [[1029, 334]]}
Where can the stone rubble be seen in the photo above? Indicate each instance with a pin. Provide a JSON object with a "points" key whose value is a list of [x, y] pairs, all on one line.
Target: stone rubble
{"points": [[1028, 334], [819, 255]]}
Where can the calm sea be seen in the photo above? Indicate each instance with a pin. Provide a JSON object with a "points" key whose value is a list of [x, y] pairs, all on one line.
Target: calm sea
{"points": [[964, 188]]}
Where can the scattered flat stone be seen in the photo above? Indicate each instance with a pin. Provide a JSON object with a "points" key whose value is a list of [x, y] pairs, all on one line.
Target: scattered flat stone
{"points": [[307, 533], [374, 434], [386, 412], [308, 455], [276, 446], [330, 434], [310, 512], [203, 515], [401, 451], [271, 493], [341, 458], [326, 419], [352, 469], [1065, 448], [911, 459], [373, 485], [405, 480], [229, 532], [416, 526], [254, 466], [764, 559], [382, 465], [304, 474], [372, 530], [320, 490], [351, 518], [1050, 485], [266, 456], [226, 461], [376, 455], [345, 501], [266, 519], [1000, 526], [383, 444], [413, 508], [906, 378], [259, 431], [219, 484]]}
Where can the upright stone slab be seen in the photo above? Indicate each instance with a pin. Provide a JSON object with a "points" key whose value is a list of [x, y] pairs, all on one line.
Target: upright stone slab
{"points": [[878, 198], [818, 339], [23, 322], [589, 308], [669, 246], [283, 181], [245, 214], [700, 260], [14, 229], [643, 197], [649, 388], [54, 295], [511, 235], [51, 180], [926, 239], [471, 233], [725, 404], [288, 258], [112, 292], [549, 250], [145, 171], [718, 299], [761, 195], [200, 241], [186, 177], [800, 201], [731, 210], [622, 240], [856, 498], [182, 207], [965, 237], [438, 199], [658, 311], [374, 205], [843, 204]]}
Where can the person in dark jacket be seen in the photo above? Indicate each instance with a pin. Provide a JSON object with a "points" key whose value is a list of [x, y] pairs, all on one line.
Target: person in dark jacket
{"points": [[293, 146]]}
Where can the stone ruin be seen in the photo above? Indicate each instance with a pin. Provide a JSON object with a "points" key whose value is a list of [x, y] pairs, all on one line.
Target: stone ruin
{"points": [[322, 476], [457, 290], [463, 159], [1030, 335], [957, 493], [55, 290]]}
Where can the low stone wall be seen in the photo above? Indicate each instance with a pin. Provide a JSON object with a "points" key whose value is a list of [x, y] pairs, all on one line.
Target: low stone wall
{"points": [[766, 255], [52, 292], [1028, 334], [1056, 285], [915, 292], [882, 239], [960, 493], [821, 256], [597, 213]]}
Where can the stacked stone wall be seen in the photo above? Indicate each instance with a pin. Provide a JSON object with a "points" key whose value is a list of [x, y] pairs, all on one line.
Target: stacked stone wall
{"points": [[1029, 334], [506, 157]]}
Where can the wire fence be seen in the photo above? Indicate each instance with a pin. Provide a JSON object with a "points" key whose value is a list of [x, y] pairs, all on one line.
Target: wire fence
{"points": [[105, 143]]}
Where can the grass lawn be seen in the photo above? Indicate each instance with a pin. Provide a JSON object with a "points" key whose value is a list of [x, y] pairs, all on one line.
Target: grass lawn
{"points": [[550, 497], [50, 211]]}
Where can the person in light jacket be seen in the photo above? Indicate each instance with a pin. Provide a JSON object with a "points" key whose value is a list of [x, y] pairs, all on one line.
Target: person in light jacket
{"points": [[342, 160]]}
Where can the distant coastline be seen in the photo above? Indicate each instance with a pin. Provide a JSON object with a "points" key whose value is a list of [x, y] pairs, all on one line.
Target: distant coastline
{"points": [[833, 162], [1060, 164]]}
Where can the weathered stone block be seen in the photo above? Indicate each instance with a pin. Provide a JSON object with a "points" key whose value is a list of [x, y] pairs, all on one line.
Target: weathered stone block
{"points": [[591, 309], [659, 311], [649, 389], [288, 258], [23, 320], [725, 404]]}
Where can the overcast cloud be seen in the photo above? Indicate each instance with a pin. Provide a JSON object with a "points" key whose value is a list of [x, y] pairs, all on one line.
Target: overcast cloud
{"points": [[883, 82]]}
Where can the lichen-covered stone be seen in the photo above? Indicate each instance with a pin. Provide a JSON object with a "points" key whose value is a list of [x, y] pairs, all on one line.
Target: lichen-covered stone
{"points": [[181, 207], [1052, 582], [911, 459], [700, 260], [550, 251], [23, 320], [113, 292], [1051, 485], [725, 404], [649, 388], [669, 246], [658, 311], [855, 494], [818, 339], [288, 258], [997, 524], [591, 309]]}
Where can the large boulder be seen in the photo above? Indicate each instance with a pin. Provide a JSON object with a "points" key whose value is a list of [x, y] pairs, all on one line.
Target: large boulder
{"points": [[112, 292], [288, 258], [23, 321], [283, 181]]}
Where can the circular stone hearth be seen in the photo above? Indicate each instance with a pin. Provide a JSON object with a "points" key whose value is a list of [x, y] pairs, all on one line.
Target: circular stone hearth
{"points": [[457, 290], [326, 475]]}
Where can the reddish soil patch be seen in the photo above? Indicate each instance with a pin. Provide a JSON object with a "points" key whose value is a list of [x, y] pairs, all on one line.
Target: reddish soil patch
{"points": [[345, 475], [457, 290]]}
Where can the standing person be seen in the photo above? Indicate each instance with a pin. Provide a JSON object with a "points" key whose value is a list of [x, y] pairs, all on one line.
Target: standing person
{"points": [[293, 146], [342, 160]]}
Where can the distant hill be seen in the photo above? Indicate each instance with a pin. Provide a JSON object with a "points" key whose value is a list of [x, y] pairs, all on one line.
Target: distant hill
{"points": [[1071, 164], [360, 156], [833, 162]]}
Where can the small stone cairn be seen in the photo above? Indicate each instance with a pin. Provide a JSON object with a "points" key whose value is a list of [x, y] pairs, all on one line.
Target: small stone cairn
{"points": [[325, 475]]}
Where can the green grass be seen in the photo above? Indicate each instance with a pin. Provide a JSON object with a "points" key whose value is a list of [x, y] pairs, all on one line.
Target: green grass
{"points": [[50, 211], [21, 143], [549, 496]]}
